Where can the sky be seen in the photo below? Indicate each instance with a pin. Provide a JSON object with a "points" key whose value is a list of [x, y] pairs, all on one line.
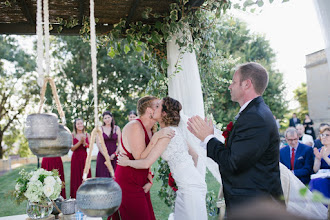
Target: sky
{"points": [[294, 31]]}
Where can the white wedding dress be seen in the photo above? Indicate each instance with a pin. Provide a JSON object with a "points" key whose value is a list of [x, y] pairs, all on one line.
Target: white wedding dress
{"points": [[190, 198]]}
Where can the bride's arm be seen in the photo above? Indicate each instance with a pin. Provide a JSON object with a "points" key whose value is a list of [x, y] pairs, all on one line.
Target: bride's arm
{"points": [[193, 154], [155, 153], [163, 133]]}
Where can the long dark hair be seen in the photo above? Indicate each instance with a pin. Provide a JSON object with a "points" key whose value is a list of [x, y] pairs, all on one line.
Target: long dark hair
{"points": [[112, 121], [75, 126]]}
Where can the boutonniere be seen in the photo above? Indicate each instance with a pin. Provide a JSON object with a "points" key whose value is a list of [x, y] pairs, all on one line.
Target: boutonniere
{"points": [[227, 131]]}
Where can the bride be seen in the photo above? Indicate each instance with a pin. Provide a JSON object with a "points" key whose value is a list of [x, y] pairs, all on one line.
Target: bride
{"points": [[182, 159]]}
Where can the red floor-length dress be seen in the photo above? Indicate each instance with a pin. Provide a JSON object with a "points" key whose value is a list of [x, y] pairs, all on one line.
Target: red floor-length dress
{"points": [[51, 163], [78, 160], [135, 205]]}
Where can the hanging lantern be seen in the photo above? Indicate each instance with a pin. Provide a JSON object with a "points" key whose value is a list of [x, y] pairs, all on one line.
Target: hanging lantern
{"points": [[52, 148], [41, 126], [99, 197]]}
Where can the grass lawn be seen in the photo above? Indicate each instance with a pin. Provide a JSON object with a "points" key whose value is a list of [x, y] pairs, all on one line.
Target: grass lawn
{"points": [[9, 207]]}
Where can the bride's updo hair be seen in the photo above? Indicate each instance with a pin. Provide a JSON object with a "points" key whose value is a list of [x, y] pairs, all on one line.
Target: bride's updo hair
{"points": [[144, 103], [172, 108]]}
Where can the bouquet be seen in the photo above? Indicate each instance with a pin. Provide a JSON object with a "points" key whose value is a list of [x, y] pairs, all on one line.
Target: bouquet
{"points": [[37, 185]]}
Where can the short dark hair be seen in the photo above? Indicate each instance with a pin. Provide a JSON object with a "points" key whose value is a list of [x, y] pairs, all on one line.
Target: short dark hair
{"points": [[172, 108], [256, 73], [132, 113]]}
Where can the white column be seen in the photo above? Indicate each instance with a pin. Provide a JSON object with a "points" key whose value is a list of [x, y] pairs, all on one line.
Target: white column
{"points": [[323, 13]]}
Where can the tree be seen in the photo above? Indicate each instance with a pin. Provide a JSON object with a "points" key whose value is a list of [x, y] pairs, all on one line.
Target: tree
{"points": [[121, 80], [235, 44], [17, 86], [300, 95]]}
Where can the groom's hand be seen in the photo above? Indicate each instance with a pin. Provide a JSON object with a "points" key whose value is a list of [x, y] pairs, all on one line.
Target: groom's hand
{"points": [[200, 128]]}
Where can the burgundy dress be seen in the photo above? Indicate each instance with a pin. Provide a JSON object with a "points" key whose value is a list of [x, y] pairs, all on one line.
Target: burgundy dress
{"points": [[50, 163], [111, 144], [78, 160], [136, 204]]}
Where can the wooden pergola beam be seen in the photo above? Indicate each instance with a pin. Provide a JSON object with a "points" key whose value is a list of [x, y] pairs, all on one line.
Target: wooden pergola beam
{"points": [[81, 11], [25, 9], [29, 29], [131, 12]]}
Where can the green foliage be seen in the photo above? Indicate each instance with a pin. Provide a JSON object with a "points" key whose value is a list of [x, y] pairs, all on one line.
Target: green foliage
{"points": [[17, 86], [234, 44], [121, 80], [300, 95]]}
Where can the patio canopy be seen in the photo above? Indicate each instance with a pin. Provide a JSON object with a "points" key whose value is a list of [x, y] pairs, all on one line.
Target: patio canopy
{"points": [[19, 16]]}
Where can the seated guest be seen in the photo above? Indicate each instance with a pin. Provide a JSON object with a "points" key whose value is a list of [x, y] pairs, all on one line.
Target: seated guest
{"points": [[304, 138], [297, 157], [317, 143], [322, 161]]}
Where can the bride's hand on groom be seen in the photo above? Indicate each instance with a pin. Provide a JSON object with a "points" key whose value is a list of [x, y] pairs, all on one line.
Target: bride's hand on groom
{"points": [[123, 160], [200, 128]]}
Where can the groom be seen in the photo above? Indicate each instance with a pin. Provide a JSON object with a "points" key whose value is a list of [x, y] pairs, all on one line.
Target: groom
{"points": [[249, 162]]}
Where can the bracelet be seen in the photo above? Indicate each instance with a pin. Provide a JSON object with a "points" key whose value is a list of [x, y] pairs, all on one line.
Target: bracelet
{"points": [[152, 174], [149, 181]]}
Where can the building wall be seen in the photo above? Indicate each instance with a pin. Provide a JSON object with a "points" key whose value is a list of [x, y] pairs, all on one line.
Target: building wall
{"points": [[318, 87]]}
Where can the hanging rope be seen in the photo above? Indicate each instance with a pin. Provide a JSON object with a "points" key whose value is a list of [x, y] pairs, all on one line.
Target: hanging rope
{"points": [[96, 131], [40, 48], [46, 28], [55, 95]]}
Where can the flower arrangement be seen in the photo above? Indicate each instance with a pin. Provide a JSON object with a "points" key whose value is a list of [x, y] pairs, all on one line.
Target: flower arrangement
{"points": [[227, 131], [37, 186]]}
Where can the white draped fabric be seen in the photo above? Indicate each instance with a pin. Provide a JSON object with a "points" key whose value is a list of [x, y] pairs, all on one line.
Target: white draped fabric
{"points": [[185, 86]]}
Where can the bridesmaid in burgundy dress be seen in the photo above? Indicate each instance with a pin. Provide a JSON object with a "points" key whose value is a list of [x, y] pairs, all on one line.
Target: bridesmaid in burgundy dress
{"points": [[78, 159], [50, 163], [135, 184], [111, 136]]}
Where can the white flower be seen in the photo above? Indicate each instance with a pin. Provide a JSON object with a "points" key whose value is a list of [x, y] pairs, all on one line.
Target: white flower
{"points": [[34, 177], [17, 187], [49, 180], [48, 190]]}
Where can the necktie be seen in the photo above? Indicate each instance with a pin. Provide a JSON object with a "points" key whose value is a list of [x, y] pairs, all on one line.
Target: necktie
{"points": [[292, 159]]}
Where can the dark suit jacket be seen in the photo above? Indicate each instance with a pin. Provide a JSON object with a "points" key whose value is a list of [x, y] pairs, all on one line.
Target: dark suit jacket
{"points": [[303, 161], [292, 124], [249, 164]]}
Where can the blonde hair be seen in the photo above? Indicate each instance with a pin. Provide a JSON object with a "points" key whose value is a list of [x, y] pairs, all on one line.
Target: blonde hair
{"points": [[144, 103]]}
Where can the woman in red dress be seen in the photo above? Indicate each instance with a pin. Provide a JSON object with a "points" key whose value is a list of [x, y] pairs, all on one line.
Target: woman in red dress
{"points": [[136, 183], [78, 159], [51, 163]]}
